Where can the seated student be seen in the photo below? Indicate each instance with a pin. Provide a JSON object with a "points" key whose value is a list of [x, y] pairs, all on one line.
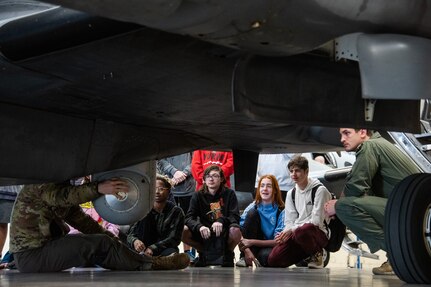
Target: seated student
{"points": [[276, 164], [260, 222], [305, 232], [178, 169], [213, 216], [159, 232], [204, 158]]}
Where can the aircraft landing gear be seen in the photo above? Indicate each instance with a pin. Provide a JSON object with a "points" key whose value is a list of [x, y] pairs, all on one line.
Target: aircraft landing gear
{"points": [[407, 229], [134, 205]]}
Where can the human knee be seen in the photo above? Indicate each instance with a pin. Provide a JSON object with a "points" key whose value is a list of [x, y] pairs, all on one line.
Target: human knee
{"points": [[235, 233], [304, 232], [252, 213], [344, 206], [186, 233]]}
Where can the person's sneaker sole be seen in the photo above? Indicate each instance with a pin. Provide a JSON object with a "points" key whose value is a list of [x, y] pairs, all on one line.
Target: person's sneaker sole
{"points": [[384, 273], [377, 272]]}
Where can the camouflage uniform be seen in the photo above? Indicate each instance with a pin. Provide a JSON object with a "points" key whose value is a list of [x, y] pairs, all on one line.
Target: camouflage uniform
{"points": [[38, 233]]}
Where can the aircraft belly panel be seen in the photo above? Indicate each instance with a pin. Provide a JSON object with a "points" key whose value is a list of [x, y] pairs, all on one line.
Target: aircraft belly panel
{"points": [[266, 27], [311, 92]]}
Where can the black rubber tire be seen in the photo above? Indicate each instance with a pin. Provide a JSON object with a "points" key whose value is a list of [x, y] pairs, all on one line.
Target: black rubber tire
{"points": [[405, 229]]}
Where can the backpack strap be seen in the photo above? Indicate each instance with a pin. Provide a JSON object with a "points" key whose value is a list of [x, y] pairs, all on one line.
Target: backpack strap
{"points": [[313, 193], [293, 195], [313, 196]]}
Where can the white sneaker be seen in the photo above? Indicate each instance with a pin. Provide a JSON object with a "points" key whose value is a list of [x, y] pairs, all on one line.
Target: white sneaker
{"points": [[316, 261], [241, 263]]}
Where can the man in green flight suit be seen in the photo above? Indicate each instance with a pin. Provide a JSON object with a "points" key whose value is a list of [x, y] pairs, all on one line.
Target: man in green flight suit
{"points": [[379, 167]]}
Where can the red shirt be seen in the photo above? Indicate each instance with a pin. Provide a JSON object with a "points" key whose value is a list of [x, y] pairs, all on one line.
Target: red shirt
{"points": [[205, 158]]}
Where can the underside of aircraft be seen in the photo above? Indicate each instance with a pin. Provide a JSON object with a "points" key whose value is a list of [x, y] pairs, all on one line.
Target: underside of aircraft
{"points": [[116, 83]]}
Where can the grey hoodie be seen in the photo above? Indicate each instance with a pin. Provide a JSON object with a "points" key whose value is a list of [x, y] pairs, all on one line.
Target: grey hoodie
{"points": [[303, 211]]}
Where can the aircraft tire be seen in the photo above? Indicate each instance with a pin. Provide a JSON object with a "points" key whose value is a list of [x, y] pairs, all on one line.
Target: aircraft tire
{"points": [[407, 229]]}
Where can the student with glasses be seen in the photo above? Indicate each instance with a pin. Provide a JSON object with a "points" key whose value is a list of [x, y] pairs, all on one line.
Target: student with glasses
{"points": [[204, 158], [212, 221], [159, 232], [178, 169]]}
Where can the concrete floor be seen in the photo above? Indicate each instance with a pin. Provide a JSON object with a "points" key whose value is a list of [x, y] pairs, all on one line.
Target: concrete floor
{"points": [[208, 277], [337, 274]]}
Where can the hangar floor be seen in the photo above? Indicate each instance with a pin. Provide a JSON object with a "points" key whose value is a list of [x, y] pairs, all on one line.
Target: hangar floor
{"points": [[209, 276]]}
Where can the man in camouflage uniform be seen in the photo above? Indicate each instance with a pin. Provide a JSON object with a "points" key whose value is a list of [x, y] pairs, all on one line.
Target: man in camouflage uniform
{"points": [[38, 233]]}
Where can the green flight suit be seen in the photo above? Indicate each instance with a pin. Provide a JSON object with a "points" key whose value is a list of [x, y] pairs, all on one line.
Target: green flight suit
{"points": [[379, 167]]}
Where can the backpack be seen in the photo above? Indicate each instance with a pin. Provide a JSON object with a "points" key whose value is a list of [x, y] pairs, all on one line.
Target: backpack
{"points": [[337, 229]]}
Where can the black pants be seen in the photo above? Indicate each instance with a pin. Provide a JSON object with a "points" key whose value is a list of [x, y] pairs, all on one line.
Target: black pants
{"points": [[252, 230], [81, 250]]}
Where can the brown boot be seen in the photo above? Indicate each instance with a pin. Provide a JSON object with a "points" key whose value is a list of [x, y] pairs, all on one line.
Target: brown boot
{"points": [[384, 269], [171, 262]]}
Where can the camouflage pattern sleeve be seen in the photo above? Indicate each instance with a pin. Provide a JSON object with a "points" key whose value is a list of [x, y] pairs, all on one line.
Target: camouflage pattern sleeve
{"points": [[39, 207], [65, 195]]}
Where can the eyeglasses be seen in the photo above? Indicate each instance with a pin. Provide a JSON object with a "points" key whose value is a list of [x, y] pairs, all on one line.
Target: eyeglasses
{"points": [[213, 176], [161, 188]]}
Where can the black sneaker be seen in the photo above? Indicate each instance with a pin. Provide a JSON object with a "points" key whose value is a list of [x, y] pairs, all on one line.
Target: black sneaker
{"points": [[201, 261]]}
